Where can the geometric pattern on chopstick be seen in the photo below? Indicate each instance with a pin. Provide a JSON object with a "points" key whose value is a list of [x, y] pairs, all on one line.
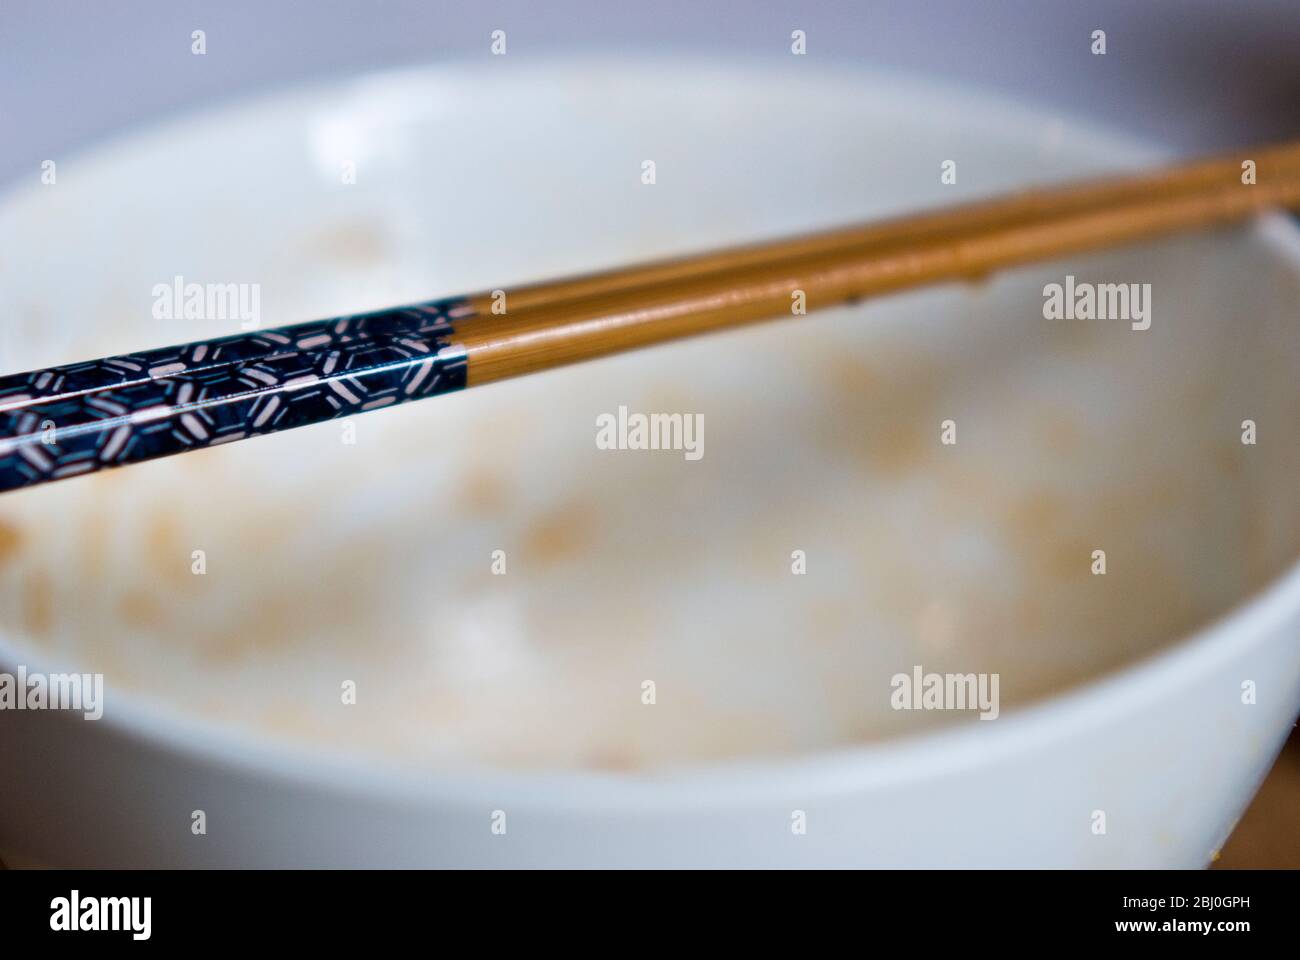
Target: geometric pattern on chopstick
{"points": [[90, 416]]}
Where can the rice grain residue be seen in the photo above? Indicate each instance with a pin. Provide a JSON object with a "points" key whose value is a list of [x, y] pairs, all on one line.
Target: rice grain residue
{"points": [[11, 541]]}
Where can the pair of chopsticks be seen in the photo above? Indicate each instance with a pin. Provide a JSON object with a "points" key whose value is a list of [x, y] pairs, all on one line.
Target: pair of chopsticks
{"points": [[83, 417]]}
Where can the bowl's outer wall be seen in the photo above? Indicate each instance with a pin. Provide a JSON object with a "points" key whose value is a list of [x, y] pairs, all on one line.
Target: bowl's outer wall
{"points": [[1171, 774]]}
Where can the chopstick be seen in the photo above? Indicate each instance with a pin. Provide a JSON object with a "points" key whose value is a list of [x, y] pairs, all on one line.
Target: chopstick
{"points": [[21, 390], [79, 418], [971, 217]]}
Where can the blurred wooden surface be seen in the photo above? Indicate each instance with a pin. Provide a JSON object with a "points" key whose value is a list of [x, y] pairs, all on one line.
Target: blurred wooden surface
{"points": [[1268, 835]]}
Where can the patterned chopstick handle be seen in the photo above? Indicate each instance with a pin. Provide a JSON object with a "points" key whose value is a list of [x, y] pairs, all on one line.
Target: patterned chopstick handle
{"points": [[303, 374], [20, 390]]}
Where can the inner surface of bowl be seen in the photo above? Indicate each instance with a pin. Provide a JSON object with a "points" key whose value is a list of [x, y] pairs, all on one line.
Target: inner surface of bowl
{"points": [[497, 588]]}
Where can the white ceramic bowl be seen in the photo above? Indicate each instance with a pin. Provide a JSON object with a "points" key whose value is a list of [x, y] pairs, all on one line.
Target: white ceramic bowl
{"points": [[474, 175]]}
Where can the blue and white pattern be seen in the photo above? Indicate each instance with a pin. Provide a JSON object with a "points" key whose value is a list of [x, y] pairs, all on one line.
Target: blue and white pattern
{"points": [[82, 417]]}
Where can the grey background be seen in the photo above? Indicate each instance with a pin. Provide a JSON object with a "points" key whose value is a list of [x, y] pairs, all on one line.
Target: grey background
{"points": [[1190, 73]]}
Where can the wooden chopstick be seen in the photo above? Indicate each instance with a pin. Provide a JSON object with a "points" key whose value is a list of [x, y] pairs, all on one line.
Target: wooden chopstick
{"points": [[83, 417], [1042, 203], [500, 347]]}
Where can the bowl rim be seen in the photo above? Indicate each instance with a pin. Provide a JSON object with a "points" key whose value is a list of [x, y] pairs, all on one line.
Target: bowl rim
{"points": [[167, 730]]}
